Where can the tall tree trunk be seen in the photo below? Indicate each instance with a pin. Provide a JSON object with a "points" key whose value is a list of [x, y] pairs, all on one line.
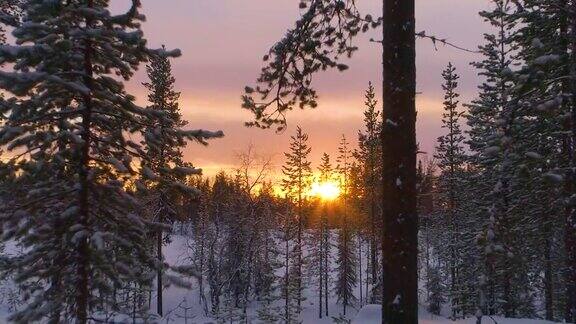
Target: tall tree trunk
{"points": [[83, 248], [400, 219]]}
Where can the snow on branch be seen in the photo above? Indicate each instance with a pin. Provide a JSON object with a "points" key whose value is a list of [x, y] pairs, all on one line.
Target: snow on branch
{"points": [[201, 135], [162, 52], [21, 82], [187, 170]]}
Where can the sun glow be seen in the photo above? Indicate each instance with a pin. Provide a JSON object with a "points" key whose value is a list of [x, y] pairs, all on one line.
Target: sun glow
{"points": [[325, 190]]}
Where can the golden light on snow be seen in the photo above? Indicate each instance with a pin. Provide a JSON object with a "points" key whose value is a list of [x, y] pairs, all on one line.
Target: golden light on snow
{"points": [[325, 190]]}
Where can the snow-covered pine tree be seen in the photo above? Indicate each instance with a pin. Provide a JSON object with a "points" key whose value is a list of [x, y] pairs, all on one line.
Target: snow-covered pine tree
{"points": [[346, 264], [297, 179], [68, 126], [436, 289], [360, 224], [490, 153], [529, 127], [346, 260], [368, 156], [451, 158], [365, 195], [547, 29], [163, 147]]}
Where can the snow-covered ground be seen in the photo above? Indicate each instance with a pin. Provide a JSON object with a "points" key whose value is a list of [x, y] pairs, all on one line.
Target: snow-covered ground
{"points": [[177, 254], [371, 314], [180, 303]]}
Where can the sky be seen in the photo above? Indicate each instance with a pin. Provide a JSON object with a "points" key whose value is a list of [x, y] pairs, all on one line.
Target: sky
{"points": [[223, 43]]}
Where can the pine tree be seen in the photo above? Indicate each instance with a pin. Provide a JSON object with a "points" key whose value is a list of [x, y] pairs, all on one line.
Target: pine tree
{"points": [[297, 178], [434, 286], [80, 224], [368, 156], [346, 263], [451, 159], [346, 257], [543, 45], [491, 153], [366, 188], [547, 43], [164, 150]]}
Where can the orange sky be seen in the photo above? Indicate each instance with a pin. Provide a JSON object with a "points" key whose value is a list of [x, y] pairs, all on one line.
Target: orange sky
{"points": [[223, 41]]}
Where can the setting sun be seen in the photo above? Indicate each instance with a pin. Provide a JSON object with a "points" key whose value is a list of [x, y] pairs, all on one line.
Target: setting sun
{"points": [[325, 190]]}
